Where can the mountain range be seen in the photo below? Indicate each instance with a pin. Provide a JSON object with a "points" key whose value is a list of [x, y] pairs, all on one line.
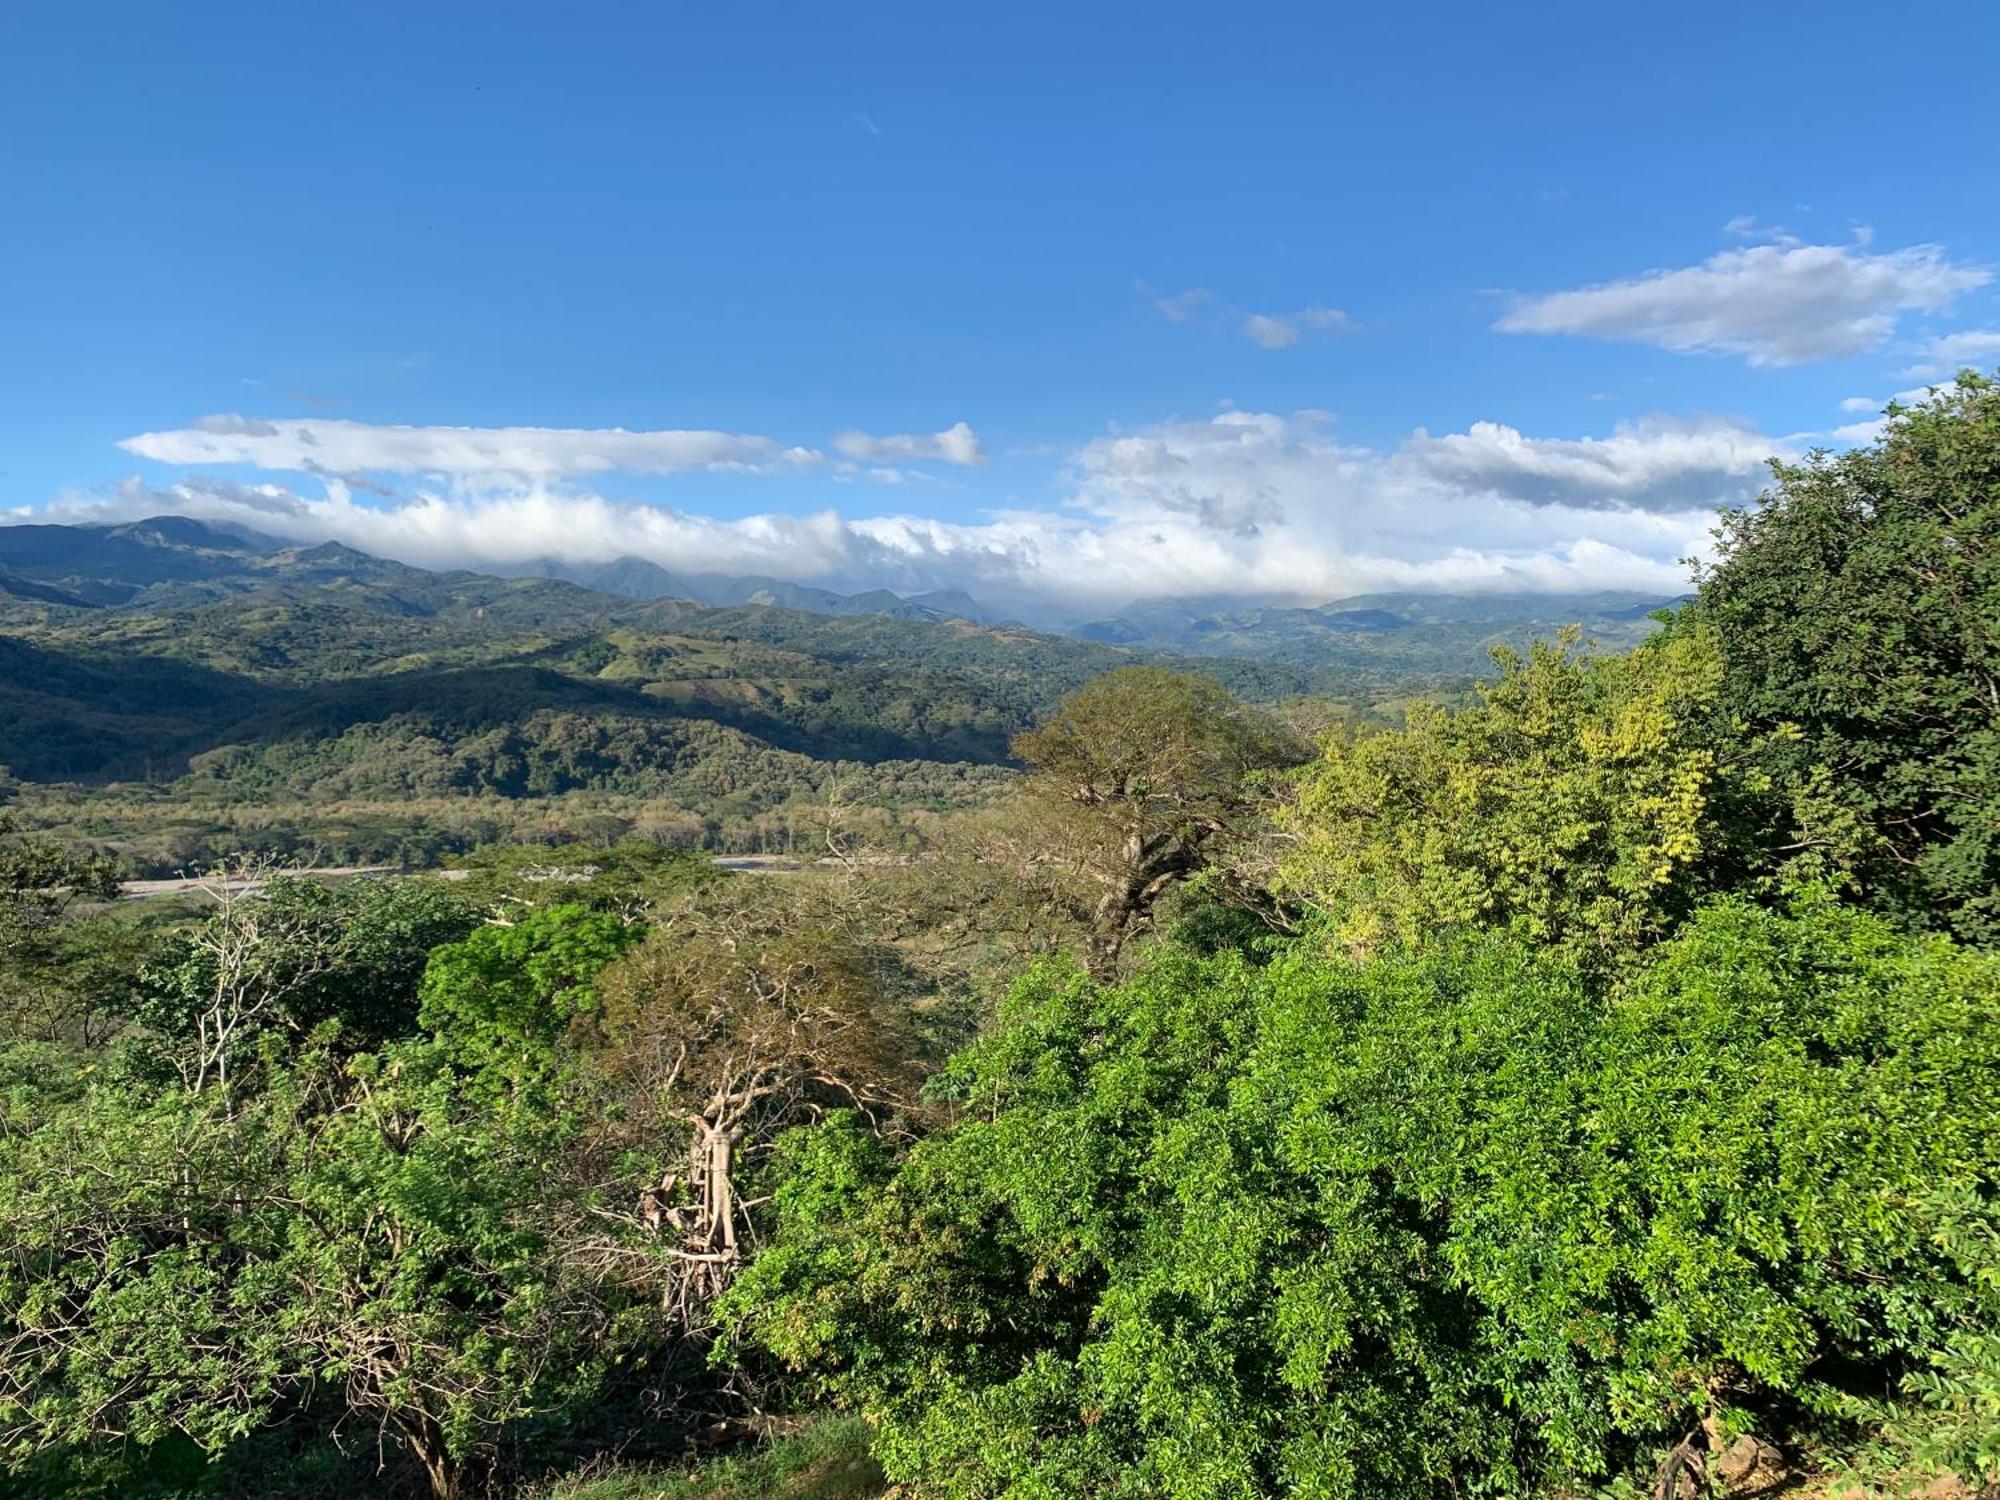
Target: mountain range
{"points": [[1339, 630], [169, 681], [174, 561], [636, 578]]}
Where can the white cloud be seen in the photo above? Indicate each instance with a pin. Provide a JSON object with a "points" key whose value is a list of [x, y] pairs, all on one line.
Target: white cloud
{"points": [[1282, 330], [1272, 333], [1241, 503], [1945, 357], [1182, 306], [317, 445], [1774, 304], [957, 444], [1916, 395], [1658, 464], [1750, 227]]}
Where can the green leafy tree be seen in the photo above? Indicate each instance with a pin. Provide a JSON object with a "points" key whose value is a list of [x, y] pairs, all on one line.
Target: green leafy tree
{"points": [[504, 998], [236, 976], [1858, 603], [1135, 782], [299, 954], [745, 1011], [51, 990], [367, 1229], [40, 879], [1444, 1222], [625, 878], [1584, 801]]}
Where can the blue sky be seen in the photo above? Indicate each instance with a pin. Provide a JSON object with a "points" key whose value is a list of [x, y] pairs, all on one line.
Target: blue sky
{"points": [[1260, 300]]}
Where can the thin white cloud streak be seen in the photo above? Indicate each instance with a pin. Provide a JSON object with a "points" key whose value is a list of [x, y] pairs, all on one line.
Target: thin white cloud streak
{"points": [[1243, 503], [320, 445], [1774, 304], [957, 444], [1182, 306], [1282, 330]]}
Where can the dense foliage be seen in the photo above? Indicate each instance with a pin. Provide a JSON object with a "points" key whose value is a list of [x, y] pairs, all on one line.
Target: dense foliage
{"points": [[1583, 802], [1434, 1223], [1860, 605], [1587, 1087], [1134, 780]]}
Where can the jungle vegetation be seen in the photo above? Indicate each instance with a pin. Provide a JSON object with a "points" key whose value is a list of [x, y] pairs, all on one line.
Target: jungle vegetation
{"points": [[1582, 1085]]}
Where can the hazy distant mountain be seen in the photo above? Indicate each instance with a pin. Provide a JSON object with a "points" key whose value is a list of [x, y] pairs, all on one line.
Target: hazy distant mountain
{"points": [[256, 673], [103, 565], [636, 578], [1434, 632], [319, 673], [172, 563], [170, 560], [27, 590]]}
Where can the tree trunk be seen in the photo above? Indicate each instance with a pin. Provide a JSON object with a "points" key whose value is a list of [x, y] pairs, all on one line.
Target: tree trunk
{"points": [[426, 1440]]}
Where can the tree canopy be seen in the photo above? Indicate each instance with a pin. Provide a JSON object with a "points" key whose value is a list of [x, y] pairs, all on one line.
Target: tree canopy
{"points": [[1134, 782], [1437, 1222], [1859, 603], [1583, 1086]]}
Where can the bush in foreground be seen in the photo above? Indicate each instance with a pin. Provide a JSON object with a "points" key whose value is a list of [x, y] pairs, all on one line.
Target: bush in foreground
{"points": [[1436, 1224]]}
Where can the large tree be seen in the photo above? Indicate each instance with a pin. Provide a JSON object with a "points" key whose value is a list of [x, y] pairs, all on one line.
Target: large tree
{"points": [[1133, 783], [751, 1007], [1858, 602], [1584, 802], [58, 977]]}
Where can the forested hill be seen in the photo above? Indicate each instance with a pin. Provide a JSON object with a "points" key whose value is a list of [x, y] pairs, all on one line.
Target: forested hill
{"points": [[174, 691], [1437, 631], [142, 650], [171, 674]]}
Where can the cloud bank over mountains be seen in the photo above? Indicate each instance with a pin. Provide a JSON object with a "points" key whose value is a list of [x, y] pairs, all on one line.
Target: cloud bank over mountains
{"points": [[1268, 504], [1241, 503]]}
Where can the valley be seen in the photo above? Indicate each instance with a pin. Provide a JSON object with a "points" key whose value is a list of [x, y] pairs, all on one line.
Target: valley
{"points": [[178, 691]]}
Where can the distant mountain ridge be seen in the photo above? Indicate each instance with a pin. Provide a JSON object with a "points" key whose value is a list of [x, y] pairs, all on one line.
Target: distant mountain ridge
{"points": [[637, 578], [171, 563], [167, 648], [168, 563], [136, 563], [1608, 618], [218, 685]]}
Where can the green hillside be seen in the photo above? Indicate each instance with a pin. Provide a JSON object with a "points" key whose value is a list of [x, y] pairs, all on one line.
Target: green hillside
{"points": [[173, 689]]}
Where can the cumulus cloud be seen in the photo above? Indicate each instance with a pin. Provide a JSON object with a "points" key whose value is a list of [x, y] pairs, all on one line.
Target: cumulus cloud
{"points": [[1659, 464], [1944, 357], [957, 444], [1773, 304], [319, 445], [1282, 330], [1241, 503]]}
